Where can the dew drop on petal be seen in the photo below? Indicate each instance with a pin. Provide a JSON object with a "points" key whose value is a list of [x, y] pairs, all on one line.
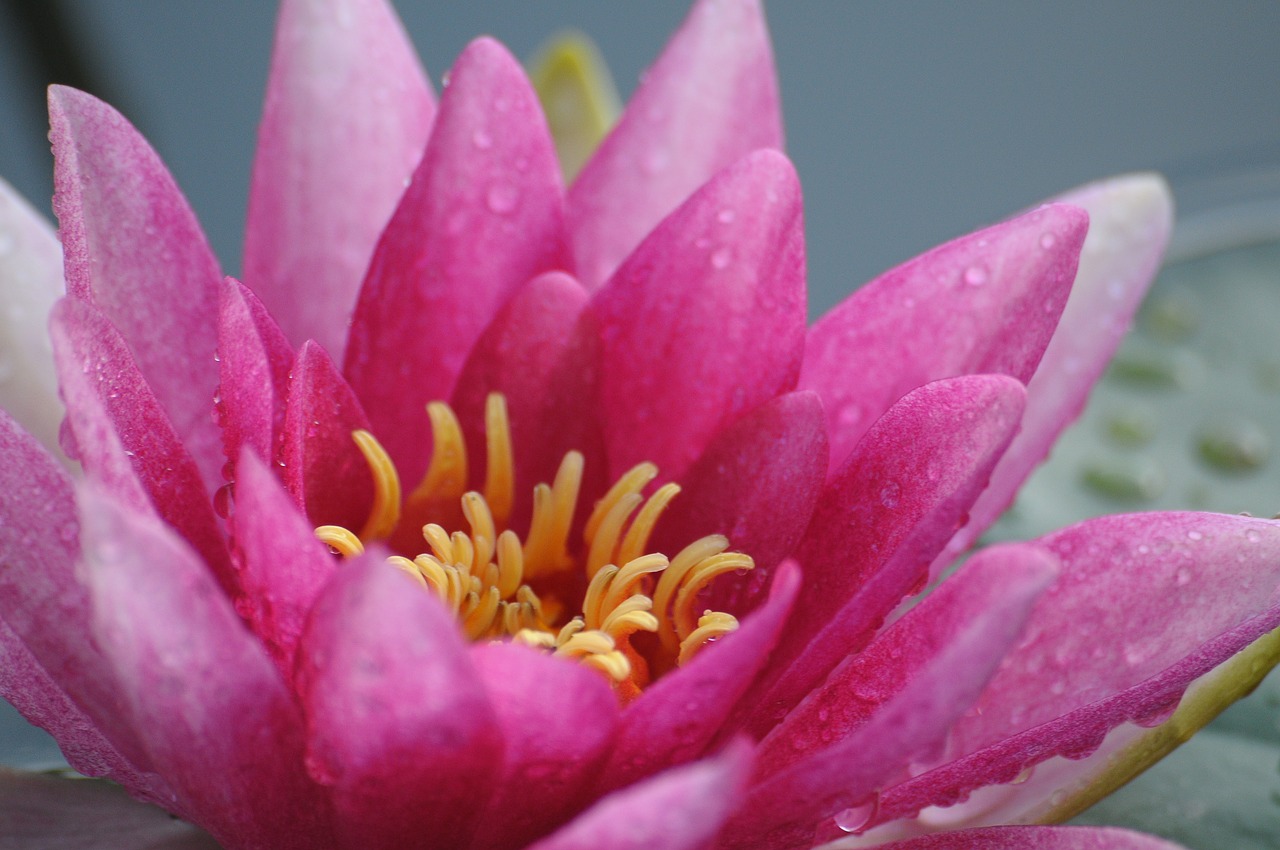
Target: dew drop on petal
{"points": [[855, 818], [502, 198], [1047, 241], [726, 216], [482, 140], [720, 258], [975, 275]]}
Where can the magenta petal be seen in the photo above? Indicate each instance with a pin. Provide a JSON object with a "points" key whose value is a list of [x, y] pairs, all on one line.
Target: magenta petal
{"points": [[889, 704], [986, 302], [254, 362], [528, 354], [483, 214], [883, 517], [282, 566], [1035, 838], [1129, 223], [399, 726], [219, 724], [347, 114], [757, 484], [323, 468], [1202, 586], [124, 439], [711, 98], [558, 721], [134, 249], [677, 718], [681, 809], [705, 320]]}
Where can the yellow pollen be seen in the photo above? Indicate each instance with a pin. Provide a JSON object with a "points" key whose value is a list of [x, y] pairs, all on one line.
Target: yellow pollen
{"points": [[501, 587]]}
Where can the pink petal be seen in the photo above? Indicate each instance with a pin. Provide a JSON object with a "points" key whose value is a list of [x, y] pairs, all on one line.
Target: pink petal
{"points": [[1035, 838], [134, 249], [986, 302], [122, 435], [31, 268], [705, 320], [482, 216], [558, 721], [322, 465], [676, 719], [884, 515], [1146, 604], [399, 727], [711, 98], [682, 809], [46, 605], [282, 566], [890, 703], [219, 724], [757, 484], [531, 353], [254, 362], [1129, 223], [347, 114]]}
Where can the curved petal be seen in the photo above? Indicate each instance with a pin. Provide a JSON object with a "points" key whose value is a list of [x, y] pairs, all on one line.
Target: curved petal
{"points": [[711, 98], [682, 809], [31, 269], [683, 713], [281, 565], [483, 214], [123, 436], [1203, 586], [399, 727], [1129, 223], [134, 249], [705, 320], [199, 684], [887, 705], [558, 721], [322, 465], [984, 303], [1035, 838], [254, 360], [883, 517], [757, 483], [347, 113]]}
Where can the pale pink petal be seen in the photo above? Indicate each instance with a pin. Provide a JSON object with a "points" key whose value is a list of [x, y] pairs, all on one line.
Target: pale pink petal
{"points": [[45, 604], [483, 214], [1129, 223], [887, 706], [323, 468], [134, 249], [681, 809], [757, 484], [347, 113], [1146, 604], [711, 98], [1035, 838], [399, 727], [558, 720], [197, 684], [254, 360], [526, 353], [281, 565], [678, 717], [123, 436], [884, 515], [31, 269], [705, 320], [986, 302]]}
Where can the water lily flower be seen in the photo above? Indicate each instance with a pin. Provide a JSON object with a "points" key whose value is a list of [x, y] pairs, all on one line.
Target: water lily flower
{"points": [[490, 513]]}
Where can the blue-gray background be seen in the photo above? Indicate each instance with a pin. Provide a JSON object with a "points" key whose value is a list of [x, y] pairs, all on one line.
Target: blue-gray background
{"points": [[909, 123]]}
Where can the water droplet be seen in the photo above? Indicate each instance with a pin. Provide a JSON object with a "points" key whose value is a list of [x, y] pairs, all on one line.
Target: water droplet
{"points": [[856, 818], [975, 275], [502, 198], [1195, 535], [726, 216], [1124, 481], [1252, 536], [1047, 241], [1024, 776], [890, 493], [222, 500], [482, 140], [1234, 446], [1182, 577], [656, 162], [720, 258]]}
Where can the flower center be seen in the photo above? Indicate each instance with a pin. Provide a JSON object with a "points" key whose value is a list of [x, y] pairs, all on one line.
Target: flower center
{"points": [[500, 586]]}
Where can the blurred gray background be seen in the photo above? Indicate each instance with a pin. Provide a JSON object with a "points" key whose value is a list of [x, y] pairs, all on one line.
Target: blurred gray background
{"points": [[909, 122]]}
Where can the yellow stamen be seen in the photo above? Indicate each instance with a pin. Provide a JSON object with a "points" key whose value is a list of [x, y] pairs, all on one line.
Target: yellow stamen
{"points": [[711, 625], [446, 477], [384, 516], [500, 477], [340, 540]]}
